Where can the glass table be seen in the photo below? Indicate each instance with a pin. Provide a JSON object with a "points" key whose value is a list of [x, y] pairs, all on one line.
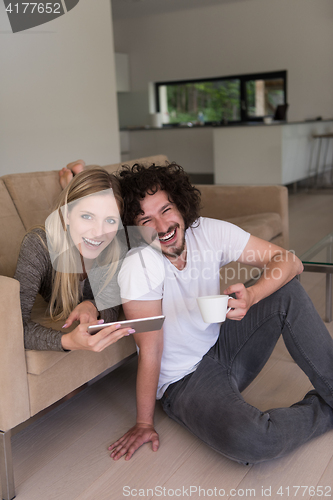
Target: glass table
{"points": [[319, 259]]}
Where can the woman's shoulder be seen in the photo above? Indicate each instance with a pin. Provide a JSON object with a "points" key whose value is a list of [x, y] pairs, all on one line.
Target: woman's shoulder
{"points": [[35, 239], [33, 259], [38, 232]]}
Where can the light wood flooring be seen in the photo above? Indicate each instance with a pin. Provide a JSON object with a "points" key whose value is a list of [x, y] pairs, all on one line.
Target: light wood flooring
{"points": [[63, 455]]}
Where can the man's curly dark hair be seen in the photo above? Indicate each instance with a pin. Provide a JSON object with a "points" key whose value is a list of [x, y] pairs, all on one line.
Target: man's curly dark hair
{"points": [[139, 180]]}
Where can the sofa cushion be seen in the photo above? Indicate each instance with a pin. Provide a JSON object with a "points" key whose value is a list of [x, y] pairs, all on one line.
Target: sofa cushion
{"points": [[52, 375], [12, 232], [266, 225], [70, 371], [34, 195], [39, 362]]}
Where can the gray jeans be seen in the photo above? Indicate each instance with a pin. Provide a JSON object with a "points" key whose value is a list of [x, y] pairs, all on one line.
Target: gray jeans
{"points": [[208, 401]]}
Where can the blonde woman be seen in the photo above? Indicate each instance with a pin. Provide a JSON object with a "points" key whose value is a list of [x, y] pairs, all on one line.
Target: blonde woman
{"points": [[73, 262]]}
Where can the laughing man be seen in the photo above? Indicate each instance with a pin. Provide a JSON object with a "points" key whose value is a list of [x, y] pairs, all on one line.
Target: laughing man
{"points": [[198, 371]]}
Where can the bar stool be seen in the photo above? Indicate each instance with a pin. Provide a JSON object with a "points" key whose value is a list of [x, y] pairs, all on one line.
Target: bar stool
{"points": [[323, 138]]}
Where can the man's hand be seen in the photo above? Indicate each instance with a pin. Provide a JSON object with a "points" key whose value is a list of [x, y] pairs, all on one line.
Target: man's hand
{"points": [[133, 439], [242, 303], [85, 312]]}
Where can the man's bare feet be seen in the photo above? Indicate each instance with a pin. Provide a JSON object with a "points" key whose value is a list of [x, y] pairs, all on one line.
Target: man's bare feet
{"points": [[67, 173]]}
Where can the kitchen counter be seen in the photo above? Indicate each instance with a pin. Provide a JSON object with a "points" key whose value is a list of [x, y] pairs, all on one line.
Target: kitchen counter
{"points": [[219, 125], [243, 153], [269, 154]]}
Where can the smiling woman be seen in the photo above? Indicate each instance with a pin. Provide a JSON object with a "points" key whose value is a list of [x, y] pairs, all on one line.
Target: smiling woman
{"points": [[73, 263], [93, 223]]}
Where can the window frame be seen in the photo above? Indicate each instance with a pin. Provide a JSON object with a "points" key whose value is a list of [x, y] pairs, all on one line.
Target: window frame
{"points": [[244, 116]]}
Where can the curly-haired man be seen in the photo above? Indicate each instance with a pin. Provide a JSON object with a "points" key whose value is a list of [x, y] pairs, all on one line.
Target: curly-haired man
{"points": [[197, 370]]}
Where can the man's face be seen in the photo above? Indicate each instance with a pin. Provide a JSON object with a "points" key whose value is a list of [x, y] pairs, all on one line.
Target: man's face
{"points": [[163, 216]]}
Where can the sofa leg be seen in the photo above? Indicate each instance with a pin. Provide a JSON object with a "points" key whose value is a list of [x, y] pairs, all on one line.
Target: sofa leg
{"points": [[6, 467]]}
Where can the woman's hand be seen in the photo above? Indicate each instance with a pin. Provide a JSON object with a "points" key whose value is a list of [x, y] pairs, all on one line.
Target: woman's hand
{"points": [[80, 339], [85, 312], [133, 439]]}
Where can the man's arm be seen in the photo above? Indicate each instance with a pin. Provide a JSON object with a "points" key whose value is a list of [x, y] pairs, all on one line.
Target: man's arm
{"points": [[279, 267], [149, 362]]}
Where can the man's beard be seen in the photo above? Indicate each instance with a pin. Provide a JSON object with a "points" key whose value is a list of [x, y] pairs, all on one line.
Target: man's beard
{"points": [[175, 252]]}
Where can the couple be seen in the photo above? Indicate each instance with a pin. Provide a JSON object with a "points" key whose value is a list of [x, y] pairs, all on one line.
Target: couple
{"points": [[197, 370]]}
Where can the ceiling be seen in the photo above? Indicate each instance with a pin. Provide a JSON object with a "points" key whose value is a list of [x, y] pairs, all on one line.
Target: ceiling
{"points": [[137, 8]]}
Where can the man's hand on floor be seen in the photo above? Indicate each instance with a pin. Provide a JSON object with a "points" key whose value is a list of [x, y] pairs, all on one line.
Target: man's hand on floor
{"points": [[133, 439]]}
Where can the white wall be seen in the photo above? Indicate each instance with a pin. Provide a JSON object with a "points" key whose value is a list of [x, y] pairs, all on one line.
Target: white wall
{"points": [[191, 148], [58, 92], [234, 38]]}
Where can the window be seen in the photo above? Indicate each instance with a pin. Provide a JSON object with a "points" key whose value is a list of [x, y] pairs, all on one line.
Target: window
{"points": [[234, 99], [263, 95]]}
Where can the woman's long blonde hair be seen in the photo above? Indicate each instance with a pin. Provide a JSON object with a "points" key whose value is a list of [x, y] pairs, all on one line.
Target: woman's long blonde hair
{"points": [[66, 285]]}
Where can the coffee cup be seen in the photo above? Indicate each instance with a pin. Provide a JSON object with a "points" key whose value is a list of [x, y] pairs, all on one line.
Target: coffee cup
{"points": [[214, 308]]}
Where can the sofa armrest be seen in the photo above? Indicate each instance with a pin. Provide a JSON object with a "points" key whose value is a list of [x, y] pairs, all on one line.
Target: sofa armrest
{"points": [[225, 202], [14, 402]]}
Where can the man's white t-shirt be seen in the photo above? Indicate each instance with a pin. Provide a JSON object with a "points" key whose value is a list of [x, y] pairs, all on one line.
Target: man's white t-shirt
{"points": [[148, 275]]}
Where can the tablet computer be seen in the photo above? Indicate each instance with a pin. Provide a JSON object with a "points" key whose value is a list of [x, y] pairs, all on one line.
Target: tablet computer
{"points": [[139, 325]]}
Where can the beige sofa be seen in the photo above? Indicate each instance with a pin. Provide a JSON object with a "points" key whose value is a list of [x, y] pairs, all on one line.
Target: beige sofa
{"points": [[31, 381]]}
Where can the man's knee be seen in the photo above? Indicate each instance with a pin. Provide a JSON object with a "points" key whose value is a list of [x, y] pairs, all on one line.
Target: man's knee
{"points": [[254, 443], [291, 293]]}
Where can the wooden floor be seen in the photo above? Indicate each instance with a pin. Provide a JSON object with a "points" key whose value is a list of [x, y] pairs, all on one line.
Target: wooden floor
{"points": [[63, 455]]}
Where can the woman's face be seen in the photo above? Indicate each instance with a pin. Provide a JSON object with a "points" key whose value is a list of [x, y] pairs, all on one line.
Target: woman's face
{"points": [[93, 223]]}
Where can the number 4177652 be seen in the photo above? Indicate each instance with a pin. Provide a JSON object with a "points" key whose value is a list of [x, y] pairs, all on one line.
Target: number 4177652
{"points": [[31, 7], [301, 491]]}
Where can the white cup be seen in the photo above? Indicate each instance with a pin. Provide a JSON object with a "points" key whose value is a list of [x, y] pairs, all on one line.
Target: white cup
{"points": [[214, 308]]}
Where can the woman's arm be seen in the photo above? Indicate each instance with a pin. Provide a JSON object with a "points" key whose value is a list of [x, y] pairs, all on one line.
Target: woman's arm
{"points": [[34, 272]]}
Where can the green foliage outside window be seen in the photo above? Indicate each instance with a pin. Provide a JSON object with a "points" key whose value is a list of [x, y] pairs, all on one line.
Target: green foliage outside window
{"points": [[215, 101], [240, 98]]}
